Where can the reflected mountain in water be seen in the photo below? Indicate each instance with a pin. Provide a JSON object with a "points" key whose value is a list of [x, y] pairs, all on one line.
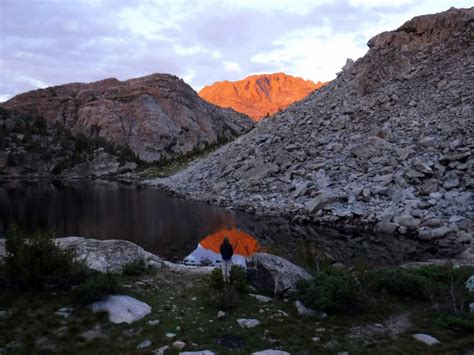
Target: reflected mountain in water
{"points": [[208, 249]]}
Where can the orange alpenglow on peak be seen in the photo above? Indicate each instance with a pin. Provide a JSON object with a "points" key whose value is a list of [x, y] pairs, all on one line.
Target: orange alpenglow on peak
{"points": [[259, 96]]}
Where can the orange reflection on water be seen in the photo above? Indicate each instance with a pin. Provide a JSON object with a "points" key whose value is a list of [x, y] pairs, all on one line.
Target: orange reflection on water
{"points": [[244, 244]]}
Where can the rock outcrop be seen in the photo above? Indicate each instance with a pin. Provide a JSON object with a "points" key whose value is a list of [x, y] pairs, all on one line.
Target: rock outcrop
{"points": [[30, 146], [386, 146], [275, 274], [259, 95], [107, 255], [158, 116]]}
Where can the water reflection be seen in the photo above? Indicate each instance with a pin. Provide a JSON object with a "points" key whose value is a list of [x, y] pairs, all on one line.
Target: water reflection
{"points": [[177, 229], [208, 249], [150, 218]]}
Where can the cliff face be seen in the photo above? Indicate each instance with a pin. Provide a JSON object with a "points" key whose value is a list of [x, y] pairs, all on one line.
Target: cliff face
{"points": [[386, 146], [157, 116], [259, 95]]}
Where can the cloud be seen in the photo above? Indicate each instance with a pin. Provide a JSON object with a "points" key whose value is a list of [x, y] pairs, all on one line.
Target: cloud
{"points": [[232, 66], [51, 42]]}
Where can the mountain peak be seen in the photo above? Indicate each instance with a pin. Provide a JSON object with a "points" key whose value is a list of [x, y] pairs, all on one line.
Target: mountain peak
{"points": [[259, 95]]}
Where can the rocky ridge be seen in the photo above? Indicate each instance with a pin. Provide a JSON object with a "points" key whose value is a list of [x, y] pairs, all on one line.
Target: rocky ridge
{"points": [[158, 116], [32, 147], [259, 95], [387, 146]]}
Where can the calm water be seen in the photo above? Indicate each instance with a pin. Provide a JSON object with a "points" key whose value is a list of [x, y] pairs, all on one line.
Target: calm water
{"points": [[180, 230]]}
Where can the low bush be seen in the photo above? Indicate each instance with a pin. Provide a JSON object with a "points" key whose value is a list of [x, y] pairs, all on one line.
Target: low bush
{"points": [[457, 322], [238, 279], [96, 288], [35, 262], [225, 294], [400, 282], [331, 290], [443, 286], [216, 280], [135, 268]]}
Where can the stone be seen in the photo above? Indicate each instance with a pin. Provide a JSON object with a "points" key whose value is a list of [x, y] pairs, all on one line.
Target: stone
{"points": [[271, 352], [199, 352], [93, 333], [261, 298], [435, 233], [179, 345], [161, 351], [471, 307], [122, 309], [275, 274], [248, 323], [386, 227], [64, 312], [153, 322], [407, 221], [144, 344], [308, 312], [170, 335], [221, 315], [316, 339], [470, 284], [107, 255], [422, 167], [325, 198], [427, 339]]}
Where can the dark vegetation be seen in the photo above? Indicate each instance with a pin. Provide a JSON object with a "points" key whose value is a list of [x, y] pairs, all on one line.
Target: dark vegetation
{"points": [[135, 268], [38, 279], [35, 262], [30, 140], [169, 166], [440, 288], [226, 294]]}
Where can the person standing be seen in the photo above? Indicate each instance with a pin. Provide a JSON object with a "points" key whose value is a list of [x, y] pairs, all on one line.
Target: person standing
{"points": [[227, 250]]}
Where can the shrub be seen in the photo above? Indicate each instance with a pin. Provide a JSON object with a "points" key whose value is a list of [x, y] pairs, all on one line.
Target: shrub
{"points": [[238, 279], [216, 280], [225, 294], [226, 298], [96, 288], [442, 285], [459, 322], [331, 290], [134, 268], [37, 262], [400, 282]]}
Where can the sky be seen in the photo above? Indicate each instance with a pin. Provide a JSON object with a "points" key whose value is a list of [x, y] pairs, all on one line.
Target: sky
{"points": [[52, 42]]}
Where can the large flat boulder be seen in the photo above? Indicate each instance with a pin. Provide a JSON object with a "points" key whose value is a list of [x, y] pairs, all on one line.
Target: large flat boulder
{"points": [[107, 255], [275, 274], [122, 309]]}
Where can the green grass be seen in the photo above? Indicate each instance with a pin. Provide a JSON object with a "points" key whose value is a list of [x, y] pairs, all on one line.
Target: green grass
{"points": [[179, 300]]}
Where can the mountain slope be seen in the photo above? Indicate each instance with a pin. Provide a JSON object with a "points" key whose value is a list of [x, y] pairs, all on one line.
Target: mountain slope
{"points": [[386, 146], [158, 116], [259, 95]]}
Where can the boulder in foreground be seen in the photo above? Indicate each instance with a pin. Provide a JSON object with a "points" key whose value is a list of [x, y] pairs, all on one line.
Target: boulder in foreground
{"points": [[275, 274], [122, 309]]}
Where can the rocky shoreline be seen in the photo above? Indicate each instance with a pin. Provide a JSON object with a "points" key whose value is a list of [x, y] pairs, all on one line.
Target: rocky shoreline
{"points": [[386, 147]]}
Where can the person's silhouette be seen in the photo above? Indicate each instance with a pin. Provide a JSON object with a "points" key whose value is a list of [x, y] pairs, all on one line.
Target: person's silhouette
{"points": [[226, 252]]}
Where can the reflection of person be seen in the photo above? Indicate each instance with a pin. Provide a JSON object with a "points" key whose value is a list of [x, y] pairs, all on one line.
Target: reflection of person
{"points": [[226, 252]]}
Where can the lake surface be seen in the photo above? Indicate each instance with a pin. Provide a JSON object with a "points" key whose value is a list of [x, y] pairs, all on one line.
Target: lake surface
{"points": [[180, 230]]}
